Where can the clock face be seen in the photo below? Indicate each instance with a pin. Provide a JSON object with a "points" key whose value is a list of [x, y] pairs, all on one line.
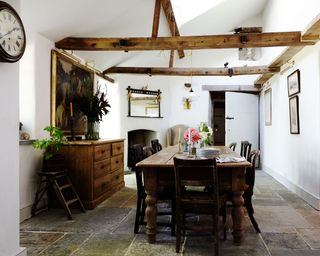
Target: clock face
{"points": [[12, 37]]}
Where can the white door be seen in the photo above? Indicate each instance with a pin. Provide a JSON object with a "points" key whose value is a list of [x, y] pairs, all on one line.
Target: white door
{"points": [[242, 119]]}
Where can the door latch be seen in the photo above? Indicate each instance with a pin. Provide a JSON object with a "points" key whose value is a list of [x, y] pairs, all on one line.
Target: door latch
{"points": [[229, 118]]}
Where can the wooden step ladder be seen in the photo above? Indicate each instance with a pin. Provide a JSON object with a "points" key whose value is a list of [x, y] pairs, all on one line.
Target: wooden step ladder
{"points": [[54, 176]]}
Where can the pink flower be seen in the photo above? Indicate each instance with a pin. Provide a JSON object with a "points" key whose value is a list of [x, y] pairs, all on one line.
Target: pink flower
{"points": [[194, 134]]}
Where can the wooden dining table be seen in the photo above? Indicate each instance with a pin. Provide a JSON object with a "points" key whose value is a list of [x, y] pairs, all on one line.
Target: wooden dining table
{"points": [[158, 171]]}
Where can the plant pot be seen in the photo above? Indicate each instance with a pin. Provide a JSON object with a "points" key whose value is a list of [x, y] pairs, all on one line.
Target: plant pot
{"points": [[93, 131]]}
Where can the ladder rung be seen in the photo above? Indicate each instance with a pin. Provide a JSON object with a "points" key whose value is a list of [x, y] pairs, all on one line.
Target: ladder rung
{"points": [[61, 176], [64, 186], [72, 201]]}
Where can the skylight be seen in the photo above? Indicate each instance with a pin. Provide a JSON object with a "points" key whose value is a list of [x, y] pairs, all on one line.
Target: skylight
{"points": [[186, 10]]}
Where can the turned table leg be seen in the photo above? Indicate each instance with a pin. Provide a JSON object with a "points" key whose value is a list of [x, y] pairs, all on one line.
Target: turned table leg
{"points": [[237, 216], [150, 183]]}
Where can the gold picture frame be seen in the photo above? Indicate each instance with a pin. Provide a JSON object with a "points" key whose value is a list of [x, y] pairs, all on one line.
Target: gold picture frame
{"points": [[69, 81], [268, 107]]}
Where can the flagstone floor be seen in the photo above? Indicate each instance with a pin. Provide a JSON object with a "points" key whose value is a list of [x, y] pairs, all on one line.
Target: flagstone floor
{"points": [[289, 227]]}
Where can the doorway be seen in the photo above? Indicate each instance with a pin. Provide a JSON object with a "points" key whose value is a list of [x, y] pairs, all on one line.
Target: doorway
{"points": [[235, 118], [218, 117]]}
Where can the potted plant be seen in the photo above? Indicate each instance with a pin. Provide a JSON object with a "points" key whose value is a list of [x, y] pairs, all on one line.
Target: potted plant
{"points": [[52, 145], [94, 107]]}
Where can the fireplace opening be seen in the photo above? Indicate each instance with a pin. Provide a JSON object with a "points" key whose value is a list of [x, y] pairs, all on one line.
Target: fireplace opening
{"points": [[140, 136]]}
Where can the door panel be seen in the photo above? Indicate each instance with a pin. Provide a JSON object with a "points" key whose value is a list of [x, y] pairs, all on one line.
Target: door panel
{"points": [[242, 119]]}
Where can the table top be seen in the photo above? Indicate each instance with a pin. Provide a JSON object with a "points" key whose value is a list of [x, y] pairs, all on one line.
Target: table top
{"points": [[164, 158]]}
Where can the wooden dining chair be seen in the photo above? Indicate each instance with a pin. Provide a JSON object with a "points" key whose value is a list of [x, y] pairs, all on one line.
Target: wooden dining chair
{"points": [[245, 149], [139, 153], [147, 151], [233, 146], [248, 193], [190, 176], [156, 146]]}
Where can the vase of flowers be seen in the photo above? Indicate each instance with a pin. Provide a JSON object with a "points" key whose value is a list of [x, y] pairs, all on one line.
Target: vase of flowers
{"points": [[94, 107], [192, 136], [206, 134]]}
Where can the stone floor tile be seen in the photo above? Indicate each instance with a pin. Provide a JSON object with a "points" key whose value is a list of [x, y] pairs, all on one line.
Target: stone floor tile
{"points": [[311, 216], [97, 220], [311, 236], [165, 245], [273, 217], [66, 245], [284, 240], [286, 252], [105, 244]]}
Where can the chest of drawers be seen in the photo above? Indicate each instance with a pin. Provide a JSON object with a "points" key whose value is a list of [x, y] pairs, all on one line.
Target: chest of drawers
{"points": [[95, 169]]}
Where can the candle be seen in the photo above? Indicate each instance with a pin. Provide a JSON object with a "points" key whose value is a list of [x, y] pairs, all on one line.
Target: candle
{"points": [[71, 110], [179, 136], [189, 136]]}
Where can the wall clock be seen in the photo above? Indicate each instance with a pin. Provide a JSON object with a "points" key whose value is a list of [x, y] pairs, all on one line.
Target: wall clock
{"points": [[12, 34]]}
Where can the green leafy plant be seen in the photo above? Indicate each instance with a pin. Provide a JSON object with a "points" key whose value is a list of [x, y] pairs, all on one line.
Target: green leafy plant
{"points": [[94, 107], [53, 144]]}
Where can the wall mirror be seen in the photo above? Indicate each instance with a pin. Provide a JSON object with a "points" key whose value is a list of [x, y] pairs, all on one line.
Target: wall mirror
{"points": [[144, 103]]}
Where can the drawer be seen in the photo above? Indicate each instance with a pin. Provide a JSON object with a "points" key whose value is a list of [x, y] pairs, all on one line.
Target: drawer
{"points": [[102, 152], [116, 177], [101, 168], [101, 185], [117, 148], [116, 162]]}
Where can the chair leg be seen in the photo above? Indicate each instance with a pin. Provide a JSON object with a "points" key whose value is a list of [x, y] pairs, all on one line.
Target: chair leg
{"points": [[173, 217], [138, 214], [250, 211], [143, 210], [178, 232], [224, 221]]}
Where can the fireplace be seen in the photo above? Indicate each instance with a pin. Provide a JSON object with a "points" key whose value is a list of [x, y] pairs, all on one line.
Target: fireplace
{"points": [[140, 136]]}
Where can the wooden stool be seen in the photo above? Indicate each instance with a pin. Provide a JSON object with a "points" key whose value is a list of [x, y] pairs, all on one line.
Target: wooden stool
{"points": [[62, 187]]}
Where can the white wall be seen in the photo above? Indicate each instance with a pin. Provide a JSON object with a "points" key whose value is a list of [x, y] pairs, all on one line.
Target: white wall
{"points": [[34, 113], [294, 159], [9, 156]]}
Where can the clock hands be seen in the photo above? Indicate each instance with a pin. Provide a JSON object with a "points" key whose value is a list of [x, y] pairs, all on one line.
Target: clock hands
{"points": [[9, 32]]}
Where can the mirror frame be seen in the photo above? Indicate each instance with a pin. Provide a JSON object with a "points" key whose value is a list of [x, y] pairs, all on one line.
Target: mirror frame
{"points": [[146, 92]]}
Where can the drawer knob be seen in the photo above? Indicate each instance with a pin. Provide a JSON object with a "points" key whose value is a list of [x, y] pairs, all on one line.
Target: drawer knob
{"points": [[117, 162], [102, 151], [102, 166], [118, 148]]}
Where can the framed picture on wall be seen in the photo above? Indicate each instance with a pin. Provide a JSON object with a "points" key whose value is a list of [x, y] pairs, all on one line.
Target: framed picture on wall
{"points": [[294, 115], [69, 81], [268, 107], [293, 81]]}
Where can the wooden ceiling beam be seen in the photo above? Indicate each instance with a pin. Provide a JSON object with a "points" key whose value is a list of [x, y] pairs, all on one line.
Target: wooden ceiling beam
{"points": [[156, 18], [249, 40], [235, 71], [312, 33], [168, 11]]}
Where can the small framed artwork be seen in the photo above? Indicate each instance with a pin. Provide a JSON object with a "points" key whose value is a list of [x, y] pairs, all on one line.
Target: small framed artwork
{"points": [[294, 115], [268, 107], [294, 83]]}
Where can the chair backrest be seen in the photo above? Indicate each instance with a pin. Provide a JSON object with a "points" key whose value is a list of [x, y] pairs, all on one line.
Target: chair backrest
{"points": [[137, 156], [196, 172], [173, 134], [233, 146], [250, 172], [156, 146], [147, 151], [245, 149]]}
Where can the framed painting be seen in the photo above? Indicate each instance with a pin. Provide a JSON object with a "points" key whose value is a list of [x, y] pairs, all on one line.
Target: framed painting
{"points": [[268, 107], [293, 81], [294, 115], [69, 82]]}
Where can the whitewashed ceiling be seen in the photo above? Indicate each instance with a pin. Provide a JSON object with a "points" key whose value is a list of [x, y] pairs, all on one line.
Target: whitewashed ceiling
{"points": [[124, 18]]}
